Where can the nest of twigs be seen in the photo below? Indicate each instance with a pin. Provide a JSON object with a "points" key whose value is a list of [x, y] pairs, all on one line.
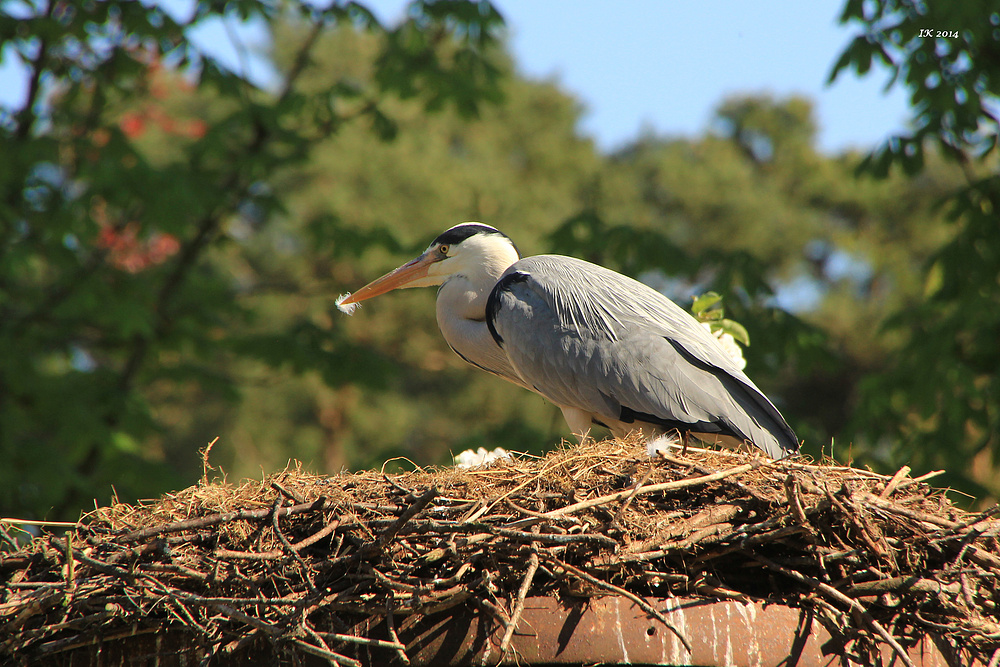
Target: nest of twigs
{"points": [[303, 564]]}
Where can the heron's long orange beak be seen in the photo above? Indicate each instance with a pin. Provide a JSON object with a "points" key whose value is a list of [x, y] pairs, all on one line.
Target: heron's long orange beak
{"points": [[398, 277]]}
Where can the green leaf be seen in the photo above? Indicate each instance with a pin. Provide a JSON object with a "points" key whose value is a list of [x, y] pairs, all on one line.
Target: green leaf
{"points": [[736, 330], [704, 302], [125, 443]]}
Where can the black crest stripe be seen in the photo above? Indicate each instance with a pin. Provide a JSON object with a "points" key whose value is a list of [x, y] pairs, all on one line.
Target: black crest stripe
{"points": [[459, 233]]}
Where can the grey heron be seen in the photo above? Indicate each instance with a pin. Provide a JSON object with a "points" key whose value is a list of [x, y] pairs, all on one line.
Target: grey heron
{"points": [[606, 349]]}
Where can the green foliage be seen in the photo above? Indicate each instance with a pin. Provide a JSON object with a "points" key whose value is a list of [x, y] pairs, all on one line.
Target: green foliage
{"points": [[939, 402], [413, 62], [766, 129], [136, 177], [708, 308], [945, 56]]}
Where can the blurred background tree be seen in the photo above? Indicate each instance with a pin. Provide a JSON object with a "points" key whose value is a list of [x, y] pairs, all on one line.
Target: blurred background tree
{"points": [[139, 177], [937, 402], [172, 236]]}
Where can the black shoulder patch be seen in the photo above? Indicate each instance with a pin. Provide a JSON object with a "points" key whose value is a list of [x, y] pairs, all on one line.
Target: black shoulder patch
{"points": [[459, 233], [493, 301]]}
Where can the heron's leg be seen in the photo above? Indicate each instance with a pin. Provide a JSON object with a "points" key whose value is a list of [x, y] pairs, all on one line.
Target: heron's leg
{"points": [[579, 422]]}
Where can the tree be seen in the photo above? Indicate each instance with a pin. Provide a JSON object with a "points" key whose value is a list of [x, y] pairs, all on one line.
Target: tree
{"points": [[108, 291], [939, 402]]}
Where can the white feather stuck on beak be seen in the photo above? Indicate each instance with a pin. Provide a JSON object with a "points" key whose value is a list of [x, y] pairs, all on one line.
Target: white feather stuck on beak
{"points": [[349, 308]]}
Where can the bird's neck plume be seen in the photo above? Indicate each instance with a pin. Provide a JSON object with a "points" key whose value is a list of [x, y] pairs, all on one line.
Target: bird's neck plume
{"points": [[496, 253]]}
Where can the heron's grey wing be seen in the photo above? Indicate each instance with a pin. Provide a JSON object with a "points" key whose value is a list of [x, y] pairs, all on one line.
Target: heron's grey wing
{"points": [[587, 337]]}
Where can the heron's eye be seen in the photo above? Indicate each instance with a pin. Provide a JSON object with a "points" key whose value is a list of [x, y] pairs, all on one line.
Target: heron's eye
{"points": [[443, 249]]}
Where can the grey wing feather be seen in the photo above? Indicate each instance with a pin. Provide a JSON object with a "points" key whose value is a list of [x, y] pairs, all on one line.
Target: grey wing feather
{"points": [[587, 337]]}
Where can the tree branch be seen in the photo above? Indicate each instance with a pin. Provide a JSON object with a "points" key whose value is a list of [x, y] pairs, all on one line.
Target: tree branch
{"points": [[26, 117]]}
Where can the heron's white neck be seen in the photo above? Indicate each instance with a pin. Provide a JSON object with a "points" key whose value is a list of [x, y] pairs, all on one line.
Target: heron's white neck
{"points": [[461, 312], [464, 294]]}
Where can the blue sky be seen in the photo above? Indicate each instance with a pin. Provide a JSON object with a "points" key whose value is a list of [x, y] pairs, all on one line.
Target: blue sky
{"points": [[662, 66]]}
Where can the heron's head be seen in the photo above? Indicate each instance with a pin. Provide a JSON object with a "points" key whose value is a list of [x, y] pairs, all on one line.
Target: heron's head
{"points": [[469, 249]]}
